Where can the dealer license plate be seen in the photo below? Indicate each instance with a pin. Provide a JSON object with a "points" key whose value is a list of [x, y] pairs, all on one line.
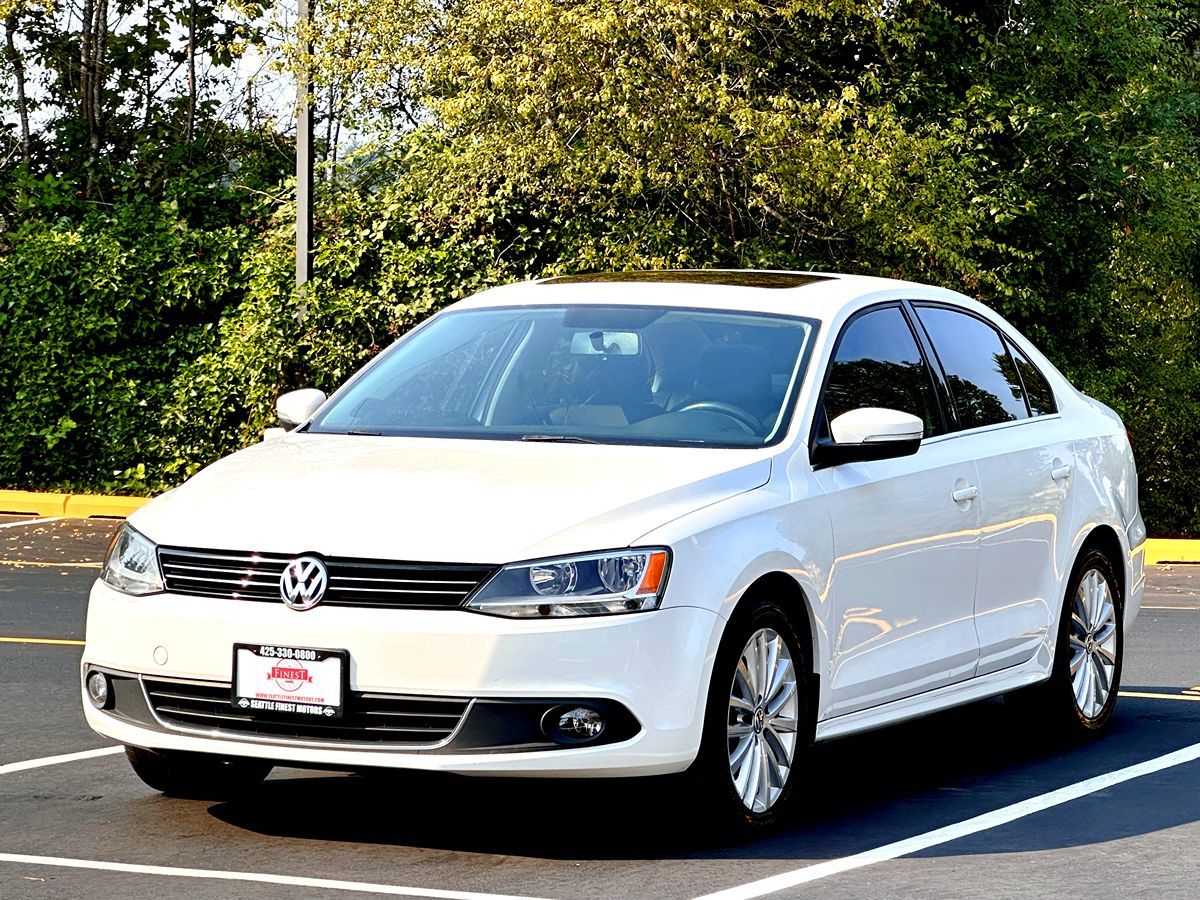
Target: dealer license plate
{"points": [[289, 682]]}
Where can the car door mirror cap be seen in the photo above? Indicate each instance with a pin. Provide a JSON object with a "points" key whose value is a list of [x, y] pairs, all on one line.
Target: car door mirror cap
{"points": [[867, 434], [295, 407], [872, 425]]}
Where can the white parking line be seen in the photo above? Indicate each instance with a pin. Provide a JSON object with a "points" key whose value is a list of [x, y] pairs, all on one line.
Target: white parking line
{"points": [[30, 522], [9, 768], [222, 875], [993, 819]]}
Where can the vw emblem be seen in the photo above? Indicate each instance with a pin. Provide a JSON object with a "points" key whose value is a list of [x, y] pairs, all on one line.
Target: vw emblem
{"points": [[303, 583]]}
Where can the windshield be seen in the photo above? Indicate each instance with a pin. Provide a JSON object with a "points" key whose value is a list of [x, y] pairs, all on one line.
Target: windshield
{"points": [[609, 374]]}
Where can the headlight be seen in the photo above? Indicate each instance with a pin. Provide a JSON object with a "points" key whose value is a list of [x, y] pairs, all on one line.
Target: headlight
{"points": [[597, 584], [132, 563]]}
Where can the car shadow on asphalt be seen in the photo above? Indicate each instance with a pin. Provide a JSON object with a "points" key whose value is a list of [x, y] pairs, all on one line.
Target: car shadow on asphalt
{"points": [[861, 792]]}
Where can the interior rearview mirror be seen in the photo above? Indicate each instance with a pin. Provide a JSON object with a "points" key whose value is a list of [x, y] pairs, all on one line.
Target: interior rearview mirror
{"points": [[867, 434], [295, 407], [605, 343]]}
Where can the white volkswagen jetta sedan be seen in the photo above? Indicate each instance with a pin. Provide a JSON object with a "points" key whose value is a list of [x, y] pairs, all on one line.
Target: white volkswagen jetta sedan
{"points": [[631, 524]]}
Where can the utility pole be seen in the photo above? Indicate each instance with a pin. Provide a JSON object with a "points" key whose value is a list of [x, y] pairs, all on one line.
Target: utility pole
{"points": [[304, 158]]}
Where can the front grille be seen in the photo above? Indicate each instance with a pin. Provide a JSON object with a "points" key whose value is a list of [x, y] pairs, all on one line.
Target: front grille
{"points": [[352, 582], [368, 718]]}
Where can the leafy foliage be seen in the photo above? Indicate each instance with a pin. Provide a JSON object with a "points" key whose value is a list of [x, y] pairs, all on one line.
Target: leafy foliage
{"points": [[1040, 156], [95, 318]]}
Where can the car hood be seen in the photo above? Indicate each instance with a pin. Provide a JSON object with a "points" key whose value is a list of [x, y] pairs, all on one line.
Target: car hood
{"points": [[435, 500]]}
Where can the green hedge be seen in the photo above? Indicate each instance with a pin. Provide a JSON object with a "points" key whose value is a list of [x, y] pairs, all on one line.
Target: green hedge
{"points": [[96, 319], [138, 349]]}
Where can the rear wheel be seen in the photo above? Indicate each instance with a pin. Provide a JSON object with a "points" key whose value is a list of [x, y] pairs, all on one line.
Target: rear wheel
{"points": [[754, 732], [1079, 697], [196, 776]]}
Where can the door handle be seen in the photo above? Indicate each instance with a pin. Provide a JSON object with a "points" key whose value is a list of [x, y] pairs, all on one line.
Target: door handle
{"points": [[1060, 473], [962, 495]]}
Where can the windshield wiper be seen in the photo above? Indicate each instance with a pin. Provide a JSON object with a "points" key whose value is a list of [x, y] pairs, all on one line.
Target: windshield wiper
{"points": [[558, 439], [358, 432]]}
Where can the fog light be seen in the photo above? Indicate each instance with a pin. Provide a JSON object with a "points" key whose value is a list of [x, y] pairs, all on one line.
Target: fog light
{"points": [[97, 689], [576, 725]]}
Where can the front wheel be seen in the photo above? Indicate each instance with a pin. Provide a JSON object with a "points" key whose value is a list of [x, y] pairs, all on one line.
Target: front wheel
{"points": [[1079, 697], [754, 731], [196, 776]]}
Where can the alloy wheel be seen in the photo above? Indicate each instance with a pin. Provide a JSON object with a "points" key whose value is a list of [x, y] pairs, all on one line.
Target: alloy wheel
{"points": [[1093, 640], [763, 720]]}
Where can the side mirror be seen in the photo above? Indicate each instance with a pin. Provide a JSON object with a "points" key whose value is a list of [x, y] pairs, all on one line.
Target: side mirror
{"points": [[867, 434], [295, 407]]}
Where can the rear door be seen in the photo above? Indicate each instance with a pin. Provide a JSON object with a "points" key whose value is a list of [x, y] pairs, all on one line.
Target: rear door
{"points": [[902, 586], [1007, 420]]}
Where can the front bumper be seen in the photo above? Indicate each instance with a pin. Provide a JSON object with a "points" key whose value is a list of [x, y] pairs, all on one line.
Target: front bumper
{"points": [[654, 665]]}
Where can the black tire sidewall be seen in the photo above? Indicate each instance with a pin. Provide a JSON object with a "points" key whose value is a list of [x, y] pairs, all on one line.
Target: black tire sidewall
{"points": [[182, 774]]}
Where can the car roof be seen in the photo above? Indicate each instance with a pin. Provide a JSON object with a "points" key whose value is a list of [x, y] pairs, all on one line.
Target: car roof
{"points": [[817, 295]]}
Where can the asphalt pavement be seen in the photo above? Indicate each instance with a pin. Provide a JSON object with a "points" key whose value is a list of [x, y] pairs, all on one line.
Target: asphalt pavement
{"points": [[985, 805]]}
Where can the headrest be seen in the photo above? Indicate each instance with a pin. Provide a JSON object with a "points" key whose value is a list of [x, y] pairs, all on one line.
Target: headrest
{"points": [[735, 374], [617, 379]]}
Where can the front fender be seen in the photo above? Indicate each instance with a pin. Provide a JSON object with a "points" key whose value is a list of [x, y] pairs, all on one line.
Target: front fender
{"points": [[718, 555]]}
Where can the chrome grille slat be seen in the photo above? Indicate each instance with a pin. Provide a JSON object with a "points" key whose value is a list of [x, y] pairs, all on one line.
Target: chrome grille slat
{"points": [[401, 591], [414, 721], [403, 581], [226, 574], [176, 711], [240, 558], [190, 699], [428, 715], [219, 570], [239, 582]]}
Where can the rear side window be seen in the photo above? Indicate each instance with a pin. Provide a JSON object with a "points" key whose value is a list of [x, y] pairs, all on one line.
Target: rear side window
{"points": [[1037, 388], [878, 363], [982, 377]]}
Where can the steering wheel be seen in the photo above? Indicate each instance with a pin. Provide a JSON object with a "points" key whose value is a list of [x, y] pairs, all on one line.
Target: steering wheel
{"points": [[739, 415]]}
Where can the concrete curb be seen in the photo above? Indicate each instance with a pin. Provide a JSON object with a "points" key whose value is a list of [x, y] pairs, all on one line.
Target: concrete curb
{"points": [[70, 506]]}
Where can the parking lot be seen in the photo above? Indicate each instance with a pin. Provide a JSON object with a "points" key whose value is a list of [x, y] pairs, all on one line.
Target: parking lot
{"points": [[967, 803]]}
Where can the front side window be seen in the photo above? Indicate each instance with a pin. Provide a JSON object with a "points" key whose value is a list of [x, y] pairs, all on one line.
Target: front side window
{"points": [[610, 374], [878, 364], [983, 380]]}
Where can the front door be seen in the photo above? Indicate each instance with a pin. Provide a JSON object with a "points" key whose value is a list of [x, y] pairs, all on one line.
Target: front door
{"points": [[906, 531]]}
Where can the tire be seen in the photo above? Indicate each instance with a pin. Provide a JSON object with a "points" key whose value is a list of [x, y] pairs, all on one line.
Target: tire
{"points": [[196, 776], [1091, 638], [763, 737]]}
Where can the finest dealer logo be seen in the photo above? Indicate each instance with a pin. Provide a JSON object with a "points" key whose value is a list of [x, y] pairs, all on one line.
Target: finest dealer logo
{"points": [[290, 677]]}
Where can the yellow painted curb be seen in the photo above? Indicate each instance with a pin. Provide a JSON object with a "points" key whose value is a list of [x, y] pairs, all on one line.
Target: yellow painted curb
{"points": [[73, 506], [85, 506], [1167, 550], [29, 503]]}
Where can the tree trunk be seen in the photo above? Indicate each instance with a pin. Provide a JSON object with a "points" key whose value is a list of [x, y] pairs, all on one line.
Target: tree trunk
{"points": [[87, 18], [93, 48], [330, 131], [190, 132], [99, 52], [148, 67], [18, 65]]}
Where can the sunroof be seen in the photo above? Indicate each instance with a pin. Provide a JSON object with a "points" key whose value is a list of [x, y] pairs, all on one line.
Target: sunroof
{"points": [[731, 277]]}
